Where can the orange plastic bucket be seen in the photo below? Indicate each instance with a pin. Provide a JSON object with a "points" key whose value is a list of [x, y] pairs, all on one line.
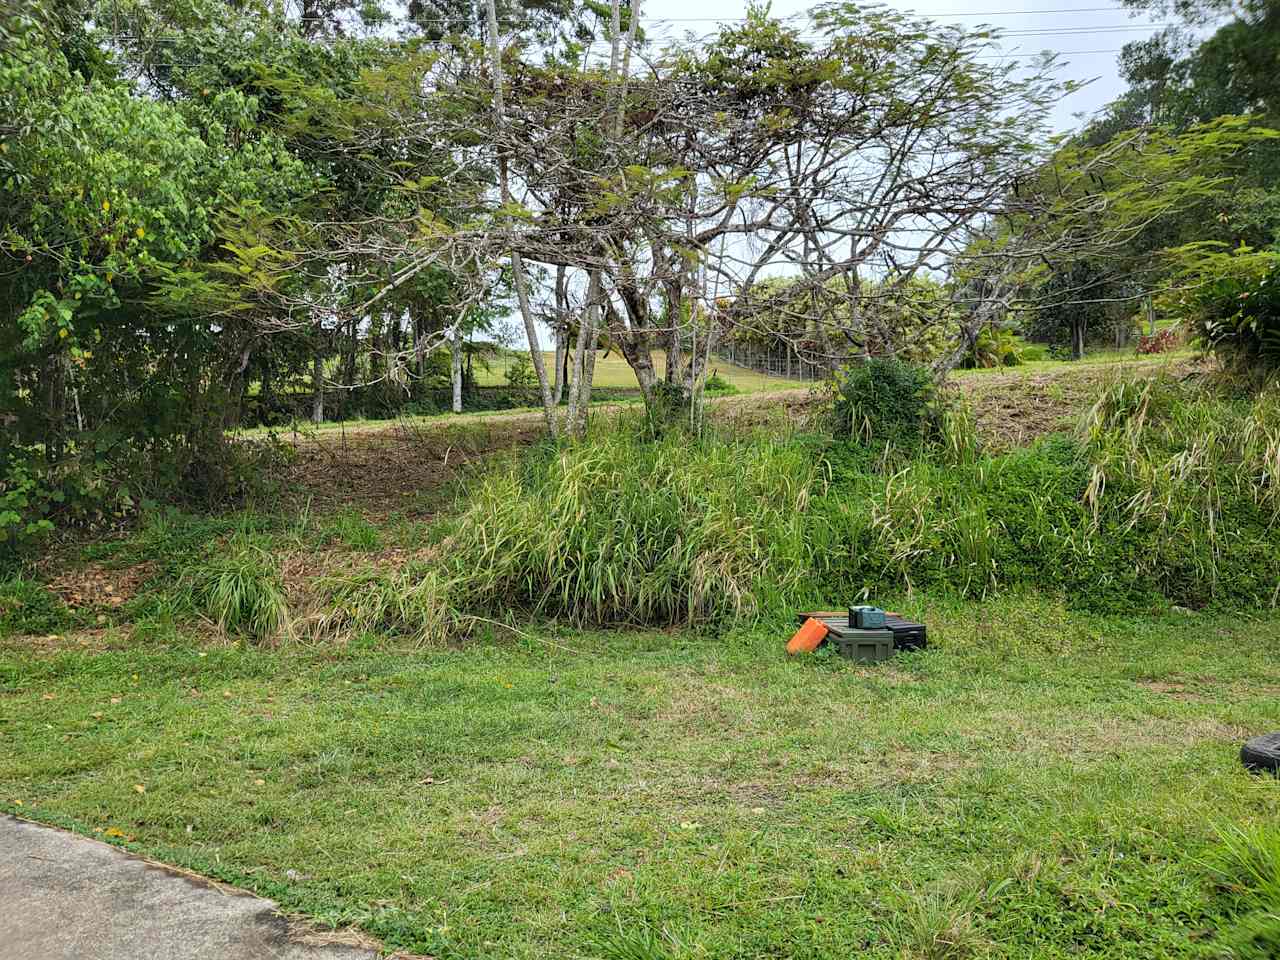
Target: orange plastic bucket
{"points": [[807, 638]]}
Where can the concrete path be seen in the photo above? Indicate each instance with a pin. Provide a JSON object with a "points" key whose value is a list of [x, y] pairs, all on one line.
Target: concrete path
{"points": [[64, 897]]}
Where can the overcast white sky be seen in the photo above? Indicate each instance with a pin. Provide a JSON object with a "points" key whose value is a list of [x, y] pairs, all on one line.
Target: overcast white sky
{"points": [[1097, 27]]}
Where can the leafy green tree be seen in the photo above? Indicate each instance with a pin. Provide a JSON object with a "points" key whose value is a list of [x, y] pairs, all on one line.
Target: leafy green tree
{"points": [[125, 320]]}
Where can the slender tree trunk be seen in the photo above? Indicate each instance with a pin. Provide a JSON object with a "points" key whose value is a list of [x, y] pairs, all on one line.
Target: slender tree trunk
{"points": [[517, 261], [317, 386], [455, 344], [562, 334], [579, 388], [588, 367]]}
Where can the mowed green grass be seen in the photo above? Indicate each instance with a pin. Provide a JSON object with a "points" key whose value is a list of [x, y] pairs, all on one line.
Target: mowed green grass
{"points": [[1037, 784], [613, 371]]}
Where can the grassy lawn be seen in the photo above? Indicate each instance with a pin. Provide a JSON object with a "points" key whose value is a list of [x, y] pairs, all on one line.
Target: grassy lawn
{"points": [[1037, 784], [613, 371], [1093, 357]]}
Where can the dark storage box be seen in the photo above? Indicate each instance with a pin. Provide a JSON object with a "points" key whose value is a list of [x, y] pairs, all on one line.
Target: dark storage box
{"points": [[907, 635]]}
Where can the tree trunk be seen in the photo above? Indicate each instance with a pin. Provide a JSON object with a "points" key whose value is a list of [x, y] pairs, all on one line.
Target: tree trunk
{"points": [[1077, 339], [517, 262], [455, 348], [584, 370], [317, 387], [562, 334]]}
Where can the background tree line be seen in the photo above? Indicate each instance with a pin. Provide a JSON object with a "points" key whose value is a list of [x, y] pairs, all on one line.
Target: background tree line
{"points": [[209, 203]]}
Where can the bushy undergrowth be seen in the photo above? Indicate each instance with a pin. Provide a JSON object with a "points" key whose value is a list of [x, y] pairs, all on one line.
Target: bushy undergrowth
{"points": [[29, 607], [1167, 494], [623, 530], [620, 530]]}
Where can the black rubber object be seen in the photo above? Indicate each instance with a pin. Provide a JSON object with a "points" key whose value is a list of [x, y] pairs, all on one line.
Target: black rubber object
{"points": [[1262, 753]]}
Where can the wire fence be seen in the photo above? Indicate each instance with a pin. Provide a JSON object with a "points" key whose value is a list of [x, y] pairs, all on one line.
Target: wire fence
{"points": [[780, 361]]}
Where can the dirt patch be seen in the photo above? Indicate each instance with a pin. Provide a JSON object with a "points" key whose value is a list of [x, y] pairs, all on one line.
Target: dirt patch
{"points": [[1173, 689], [1014, 409], [395, 469], [95, 587]]}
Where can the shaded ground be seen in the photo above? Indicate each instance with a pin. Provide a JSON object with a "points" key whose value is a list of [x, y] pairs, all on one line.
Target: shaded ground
{"points": [[64, 897]]}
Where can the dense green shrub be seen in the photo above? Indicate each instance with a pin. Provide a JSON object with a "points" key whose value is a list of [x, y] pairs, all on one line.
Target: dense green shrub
{"points": [[1232, 300], [25, 504], [1033, 352], [718, 386], [884, 401], [521, 373], [994, 347]]}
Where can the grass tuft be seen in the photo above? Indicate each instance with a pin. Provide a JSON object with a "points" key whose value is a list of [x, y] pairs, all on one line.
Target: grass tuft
{"points": [[352, 530], [937, 925], [240, 589]]}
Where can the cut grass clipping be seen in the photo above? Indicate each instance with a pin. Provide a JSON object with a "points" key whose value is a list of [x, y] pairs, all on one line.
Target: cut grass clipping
{"points": [[239, 588]]}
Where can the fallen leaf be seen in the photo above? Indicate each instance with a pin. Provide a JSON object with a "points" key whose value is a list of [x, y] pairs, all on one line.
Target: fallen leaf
{"points": [[139, 788], [259, 782], [113, 832], [47, 696], [115, 700]]}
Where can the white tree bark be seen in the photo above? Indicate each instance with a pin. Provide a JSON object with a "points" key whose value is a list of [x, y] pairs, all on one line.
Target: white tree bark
{"points": [[455, 348]]}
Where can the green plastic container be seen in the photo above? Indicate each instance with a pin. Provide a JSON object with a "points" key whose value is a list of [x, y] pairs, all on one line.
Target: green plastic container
{"points": [[866, 618], [864, 646]]}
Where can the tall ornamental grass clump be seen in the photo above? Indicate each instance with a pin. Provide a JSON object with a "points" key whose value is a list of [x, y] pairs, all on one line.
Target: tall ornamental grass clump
{"points": [[624, 530], [239, 588], [1169, 492]]}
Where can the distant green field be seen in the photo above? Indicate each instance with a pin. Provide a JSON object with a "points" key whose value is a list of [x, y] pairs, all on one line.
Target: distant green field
{"points": [[612, 371]]}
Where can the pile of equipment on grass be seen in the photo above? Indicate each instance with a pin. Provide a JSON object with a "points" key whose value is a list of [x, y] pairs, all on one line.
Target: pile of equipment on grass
{"points": [[866, 634]]}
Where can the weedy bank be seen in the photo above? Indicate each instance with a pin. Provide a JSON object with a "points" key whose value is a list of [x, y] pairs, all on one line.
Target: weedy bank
{"points": [[1167, 494]]}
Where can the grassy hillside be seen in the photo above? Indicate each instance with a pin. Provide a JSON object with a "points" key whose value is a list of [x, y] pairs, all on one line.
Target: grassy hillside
{"points": [[613, 371]]}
